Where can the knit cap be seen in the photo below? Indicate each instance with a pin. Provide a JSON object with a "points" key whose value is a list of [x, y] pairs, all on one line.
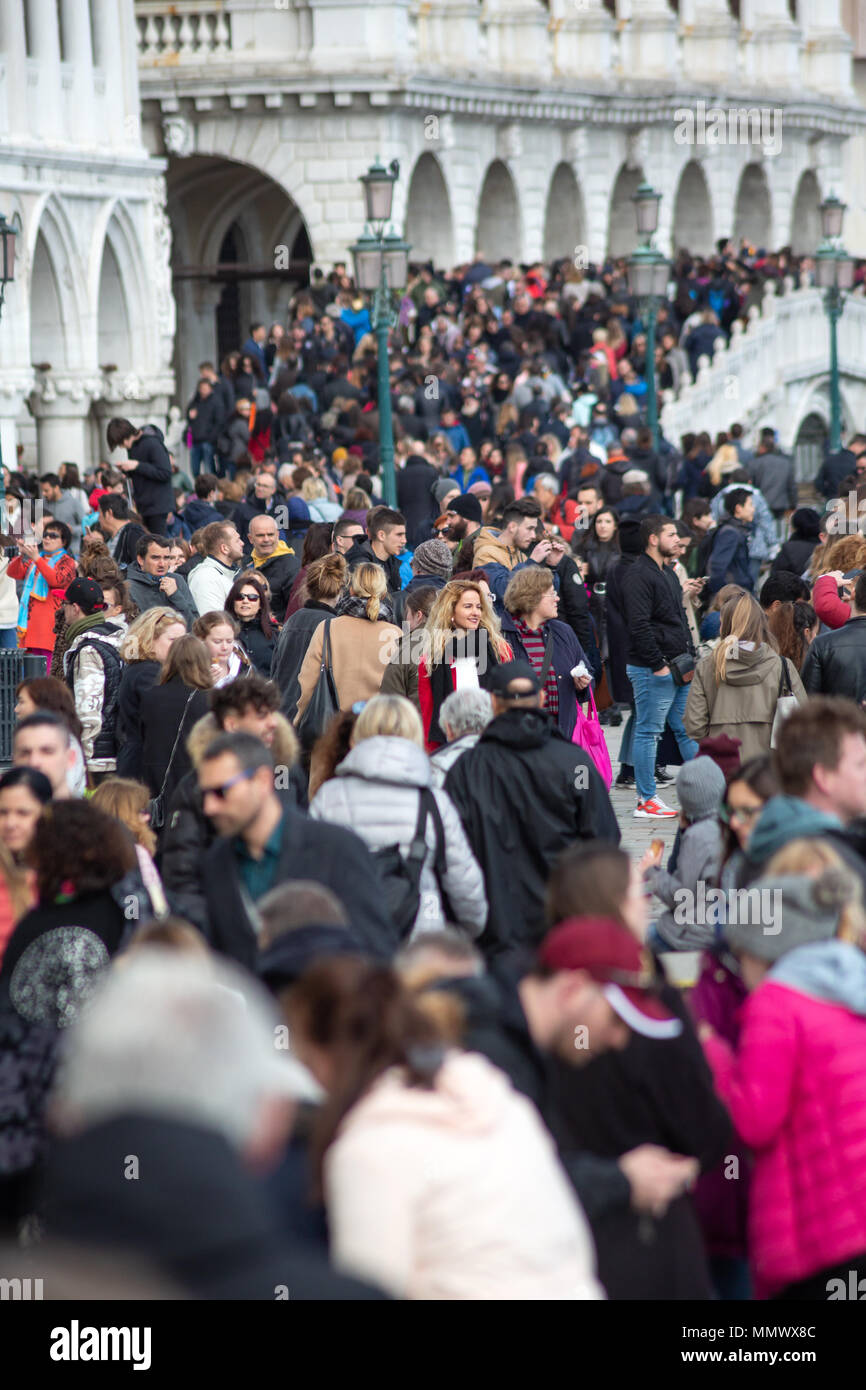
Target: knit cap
{"points": [[700, 788], [442, 489], [793, 910], [468, 507], [724, 751], [432, 557]]}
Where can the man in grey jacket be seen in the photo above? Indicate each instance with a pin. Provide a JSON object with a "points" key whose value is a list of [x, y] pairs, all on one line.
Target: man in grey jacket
{"points": [[150, 584], [773, 473], [62, 506]]}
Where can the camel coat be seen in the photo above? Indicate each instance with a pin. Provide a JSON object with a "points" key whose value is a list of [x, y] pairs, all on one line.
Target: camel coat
{"points": [[360, 652]]}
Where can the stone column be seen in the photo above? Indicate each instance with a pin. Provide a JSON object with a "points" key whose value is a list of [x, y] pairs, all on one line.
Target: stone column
{"points": [[13, 56], [44, 77], [583, 38], [648, 46], [61, 407], [517, 37], [106, 45], [78, 54], [827, 48], [772, 55], [709, 40]]}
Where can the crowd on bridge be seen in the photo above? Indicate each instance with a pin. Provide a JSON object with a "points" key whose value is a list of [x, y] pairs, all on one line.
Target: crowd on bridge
{"points": [[323, 971]]}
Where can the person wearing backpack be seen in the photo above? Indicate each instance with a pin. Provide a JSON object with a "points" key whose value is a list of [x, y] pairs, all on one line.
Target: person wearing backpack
{"points": [[382, 791], [92, 666]]}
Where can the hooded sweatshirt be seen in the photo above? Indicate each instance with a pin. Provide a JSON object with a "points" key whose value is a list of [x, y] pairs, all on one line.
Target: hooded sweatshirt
{"points": [[743, 705], [786, 818], [456, 1192]]}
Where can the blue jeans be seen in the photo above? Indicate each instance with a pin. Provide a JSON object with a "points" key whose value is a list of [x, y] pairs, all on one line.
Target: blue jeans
{"points": [[201, 454], [626, 748], [8, 638], [656, 699]]}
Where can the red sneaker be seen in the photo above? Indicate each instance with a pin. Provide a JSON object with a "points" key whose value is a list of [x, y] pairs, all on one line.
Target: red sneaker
{"points": [[654, 809]]}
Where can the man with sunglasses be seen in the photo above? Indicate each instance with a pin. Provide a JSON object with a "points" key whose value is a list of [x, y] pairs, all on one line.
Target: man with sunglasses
{"points": [[263, 842]]}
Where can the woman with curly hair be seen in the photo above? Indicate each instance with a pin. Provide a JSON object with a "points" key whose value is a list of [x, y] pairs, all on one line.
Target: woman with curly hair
{"points": [[461, 642], [249, 604]]}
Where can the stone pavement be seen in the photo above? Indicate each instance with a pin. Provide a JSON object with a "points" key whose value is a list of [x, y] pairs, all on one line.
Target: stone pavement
{"points": [[637, 834]]}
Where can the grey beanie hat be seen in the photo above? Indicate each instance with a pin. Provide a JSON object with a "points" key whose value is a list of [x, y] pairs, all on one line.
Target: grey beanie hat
{"points": [[442, 489], [700, 788], [433, 557], [788, 911]]}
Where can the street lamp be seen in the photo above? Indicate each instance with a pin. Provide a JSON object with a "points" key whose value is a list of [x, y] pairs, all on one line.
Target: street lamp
{"points": [[8, 234], [382, 268], [834, 274], [648, 275]]}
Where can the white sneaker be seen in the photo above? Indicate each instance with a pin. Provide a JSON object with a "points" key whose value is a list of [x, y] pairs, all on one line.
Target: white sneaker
{"points": [[654, 809]]}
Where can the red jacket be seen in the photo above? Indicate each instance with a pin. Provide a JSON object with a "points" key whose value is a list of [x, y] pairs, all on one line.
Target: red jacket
{"points": [[41, 612], [796, 1091], [831, 609]]}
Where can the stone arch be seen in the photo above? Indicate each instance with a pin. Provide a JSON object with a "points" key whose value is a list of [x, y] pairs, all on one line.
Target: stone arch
{"points": [[215, 203], [124, 325], [498, 228], [621, 230], [753, 215], [693, 213], [810, 444], [58, 310], [806, 215], [429, 225], [565, 229]]}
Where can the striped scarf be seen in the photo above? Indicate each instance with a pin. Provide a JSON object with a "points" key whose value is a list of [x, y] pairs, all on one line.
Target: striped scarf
{"points": [[535, 644]]}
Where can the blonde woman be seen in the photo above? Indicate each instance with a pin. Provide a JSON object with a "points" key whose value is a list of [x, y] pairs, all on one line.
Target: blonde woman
{"points": [[362, 638], [143, 649], [725, 461], [461, 642], [315, 494], [377, 791], [126, 801], [735, 689]]}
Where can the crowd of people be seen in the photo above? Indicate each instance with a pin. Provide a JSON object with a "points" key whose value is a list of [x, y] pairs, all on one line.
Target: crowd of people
{"points": [[313, 907]]}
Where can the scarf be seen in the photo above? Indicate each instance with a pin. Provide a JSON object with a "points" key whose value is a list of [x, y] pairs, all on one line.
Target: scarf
{"points": [[36, 585], [84, 624], [350, 606], [282, 549]]}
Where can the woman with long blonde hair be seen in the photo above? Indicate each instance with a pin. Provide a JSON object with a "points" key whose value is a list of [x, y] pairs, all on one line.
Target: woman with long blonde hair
{"points": [[736, 688], [461, 642], [143, 650], [127, 801], [725, 461]]}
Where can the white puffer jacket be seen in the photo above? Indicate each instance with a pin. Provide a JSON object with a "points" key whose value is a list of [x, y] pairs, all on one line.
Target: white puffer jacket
{"points": [[375, 793]]}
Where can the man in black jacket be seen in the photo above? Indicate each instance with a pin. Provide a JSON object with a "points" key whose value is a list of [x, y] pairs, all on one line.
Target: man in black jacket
{"points": [[415, 496], [276, 560], [836, 661], [837, 467], [149, 468], [386, 541], [524, 792], [658, 632], [122, 533], [262, 842]]}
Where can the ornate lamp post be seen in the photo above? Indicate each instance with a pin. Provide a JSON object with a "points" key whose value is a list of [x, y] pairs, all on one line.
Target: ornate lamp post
{"points": [[648, 274], [381, 268], [8, 234], [834, 274]]}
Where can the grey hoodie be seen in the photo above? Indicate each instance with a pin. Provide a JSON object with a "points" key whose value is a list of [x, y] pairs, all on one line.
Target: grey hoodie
{"points": [[834, 971]]}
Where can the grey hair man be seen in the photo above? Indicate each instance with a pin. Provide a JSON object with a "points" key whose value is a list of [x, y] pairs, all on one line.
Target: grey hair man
{"points": [[464, 717]]}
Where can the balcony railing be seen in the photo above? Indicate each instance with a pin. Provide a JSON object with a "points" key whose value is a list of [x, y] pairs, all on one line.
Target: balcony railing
{"points": [[191, 31]]}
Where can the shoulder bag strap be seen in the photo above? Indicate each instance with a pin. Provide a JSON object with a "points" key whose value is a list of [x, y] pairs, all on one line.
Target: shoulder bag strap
{"points": [[176, 742], [428, 800], [785, 687]]}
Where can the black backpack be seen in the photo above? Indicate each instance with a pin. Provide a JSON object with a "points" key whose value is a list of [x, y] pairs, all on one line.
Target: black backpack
{"points": [[401, 876]]}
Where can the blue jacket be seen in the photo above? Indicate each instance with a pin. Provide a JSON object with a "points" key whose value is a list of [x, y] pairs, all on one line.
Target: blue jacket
{"points": [[729, 558], [567, 652], [478, 475]]}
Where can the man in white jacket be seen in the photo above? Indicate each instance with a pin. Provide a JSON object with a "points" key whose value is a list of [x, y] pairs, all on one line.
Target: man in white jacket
{"points": [[209, 582]]}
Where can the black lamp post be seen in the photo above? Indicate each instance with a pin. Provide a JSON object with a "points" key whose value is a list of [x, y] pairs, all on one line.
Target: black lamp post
{"points": [[834, 273], [648, 274], [381, 267]]}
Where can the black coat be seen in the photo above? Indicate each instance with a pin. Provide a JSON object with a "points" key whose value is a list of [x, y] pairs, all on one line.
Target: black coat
{"points": [[524, 793], [253, 506], [258, 647], [833, 472], [795, 555], [414, 495], [151, 481], [654, 613], [363, 554], [198, 1216], [127, 542], [656, 1091], [574, 610], [836, 662], [617, 630], [291, 649], [280, 571], [209, 416], [138, 677], [167, 710], [327, 854]]}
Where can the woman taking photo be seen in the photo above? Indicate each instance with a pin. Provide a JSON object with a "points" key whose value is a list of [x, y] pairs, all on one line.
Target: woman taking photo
{"points": [[503, 1224], [377, 791], [248, 603], [219, 632], [735, 689], [461, 643], [47, 570], [362, 638], [24, 792], [143, 650], [325, 581], [535, 635], [168, 712]]}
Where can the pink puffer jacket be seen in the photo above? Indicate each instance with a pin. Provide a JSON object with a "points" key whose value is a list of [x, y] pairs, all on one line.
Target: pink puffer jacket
{"points": [[796, 1090]]}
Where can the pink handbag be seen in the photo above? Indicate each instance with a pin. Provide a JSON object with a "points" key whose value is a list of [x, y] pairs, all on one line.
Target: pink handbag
{"points": [[589, 735]]}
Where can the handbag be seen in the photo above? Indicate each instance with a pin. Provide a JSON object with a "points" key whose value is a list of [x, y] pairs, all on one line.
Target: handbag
{"points": [[682, 668], [156, 805], [589, 735], [324, 701], [786, 702]]}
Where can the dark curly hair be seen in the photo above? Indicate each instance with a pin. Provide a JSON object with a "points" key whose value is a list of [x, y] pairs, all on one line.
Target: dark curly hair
{"points": [[76, 844]]}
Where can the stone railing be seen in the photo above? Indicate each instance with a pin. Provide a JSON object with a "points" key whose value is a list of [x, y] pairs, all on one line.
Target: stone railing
{"points": [[191, 31], [785, 342]]}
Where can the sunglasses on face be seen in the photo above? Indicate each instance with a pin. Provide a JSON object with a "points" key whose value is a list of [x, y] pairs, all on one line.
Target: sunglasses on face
{"points": [[223, 791], [741, 813], [249, 598]]}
